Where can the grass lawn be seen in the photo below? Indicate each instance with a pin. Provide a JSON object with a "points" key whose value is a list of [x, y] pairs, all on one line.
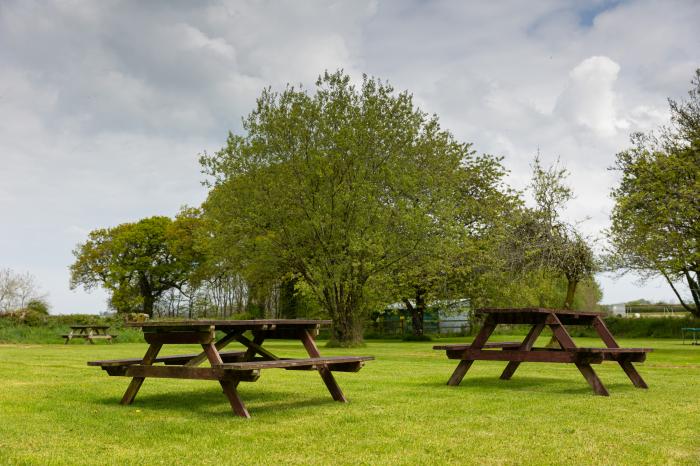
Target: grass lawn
{"points": [[56, 410]]}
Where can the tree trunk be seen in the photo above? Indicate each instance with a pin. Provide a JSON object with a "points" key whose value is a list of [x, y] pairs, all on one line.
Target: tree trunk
{"points": [[288, 302], [570, 291], [344, 307], [417, 312], [148, 302], [694, 291]]}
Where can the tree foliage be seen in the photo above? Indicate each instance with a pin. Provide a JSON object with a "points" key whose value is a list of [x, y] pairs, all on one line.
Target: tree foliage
{"points": [[656, 219], [137, 262], [18, 290], [340, 188], [540, 239]]}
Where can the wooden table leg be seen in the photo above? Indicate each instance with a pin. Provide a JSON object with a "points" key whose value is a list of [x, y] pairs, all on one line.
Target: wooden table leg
{"points": [[326, 374], [592, 379], [228, 386], [566, 342], [478, 343], [526, 345], [610, 342], [136, 382]]}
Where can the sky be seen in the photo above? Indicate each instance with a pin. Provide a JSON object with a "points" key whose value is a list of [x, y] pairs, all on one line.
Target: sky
{"points": [[106, 106]]}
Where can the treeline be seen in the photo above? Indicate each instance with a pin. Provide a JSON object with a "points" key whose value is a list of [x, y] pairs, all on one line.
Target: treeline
{"points": [[338, 202]]}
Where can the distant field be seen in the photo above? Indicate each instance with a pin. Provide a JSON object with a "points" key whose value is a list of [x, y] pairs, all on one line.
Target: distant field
{"points": [[56, 410]]}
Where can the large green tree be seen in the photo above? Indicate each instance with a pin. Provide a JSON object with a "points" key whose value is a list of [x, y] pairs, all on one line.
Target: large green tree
{"points": [[341, 188], [137, 262], [656, 219]]}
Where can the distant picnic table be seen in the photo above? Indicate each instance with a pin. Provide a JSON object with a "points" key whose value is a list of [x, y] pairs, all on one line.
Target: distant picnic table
{"points": [[693, 331], [89, 332], [518, 352], [229, 368]]}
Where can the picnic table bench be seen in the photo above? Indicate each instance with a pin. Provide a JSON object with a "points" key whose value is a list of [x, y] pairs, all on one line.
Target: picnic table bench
{"points": [[89, 332], [229, 368], [516, 353]]}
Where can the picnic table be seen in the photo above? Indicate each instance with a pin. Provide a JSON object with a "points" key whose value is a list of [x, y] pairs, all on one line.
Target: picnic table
{"points": [[516, 353], [89, 332], [693, 331], [229, 368]]}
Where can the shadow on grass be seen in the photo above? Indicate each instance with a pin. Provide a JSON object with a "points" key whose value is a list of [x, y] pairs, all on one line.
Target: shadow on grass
{"points": [[209, 402], [544, 384]]}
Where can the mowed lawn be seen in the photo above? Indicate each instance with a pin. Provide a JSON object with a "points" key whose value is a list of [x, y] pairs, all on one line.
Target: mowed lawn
{"points": [[56, 410]]}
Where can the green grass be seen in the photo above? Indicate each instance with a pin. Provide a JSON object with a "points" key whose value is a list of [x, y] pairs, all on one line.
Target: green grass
{"points": [[56, 410]]}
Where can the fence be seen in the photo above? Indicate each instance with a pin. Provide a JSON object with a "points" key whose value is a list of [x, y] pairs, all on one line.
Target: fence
{"points": [[403, 327]]}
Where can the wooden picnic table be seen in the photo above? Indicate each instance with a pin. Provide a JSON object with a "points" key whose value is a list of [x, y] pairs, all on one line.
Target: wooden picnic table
{"points": [[229, 368], [89, 333], [518, 352]]}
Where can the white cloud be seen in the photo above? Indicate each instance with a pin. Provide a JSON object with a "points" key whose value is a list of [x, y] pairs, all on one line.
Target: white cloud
{"points": [[589, 98], [104, 107]]}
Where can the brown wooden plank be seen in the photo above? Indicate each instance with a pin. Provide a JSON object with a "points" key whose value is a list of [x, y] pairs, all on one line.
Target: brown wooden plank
{"points": [[309, 343], [525, 356], [220, 344], [234, 398], [255, 347], [611, 350], [526, 345], [536, 310], [251, 323], [633, 375], [334, 367], [478, 342], [179, 359], [498, 344], [228, 386], [136, 382], [182, 337], [184, 372], [592, 379], [306, 362]]}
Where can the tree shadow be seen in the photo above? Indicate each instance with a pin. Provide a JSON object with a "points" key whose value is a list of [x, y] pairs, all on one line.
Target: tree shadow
{"points": [[526, 383]]}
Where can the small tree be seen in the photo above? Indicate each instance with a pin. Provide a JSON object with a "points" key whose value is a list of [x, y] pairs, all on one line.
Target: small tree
{"points": [[540, 239], [137, 262]]}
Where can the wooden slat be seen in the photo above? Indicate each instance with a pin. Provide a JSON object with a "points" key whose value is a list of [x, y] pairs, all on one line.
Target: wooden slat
{"points": [[526, 345], [536, 310], [524, 356], [183, 372], [222, 343], [251, 323], [183, 337], [463, 346], [298, 363], [136, 382], [307, 339], [479, 341], [611, 350], [232, 356], [255, 347]]}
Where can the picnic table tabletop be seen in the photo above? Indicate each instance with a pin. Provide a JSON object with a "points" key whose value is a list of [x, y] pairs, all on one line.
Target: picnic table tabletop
{"points": [[82, 326], [229, 368], [567, 352]]}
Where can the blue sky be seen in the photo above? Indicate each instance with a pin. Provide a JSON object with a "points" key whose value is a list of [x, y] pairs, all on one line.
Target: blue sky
{"points": [[106, 106]]}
